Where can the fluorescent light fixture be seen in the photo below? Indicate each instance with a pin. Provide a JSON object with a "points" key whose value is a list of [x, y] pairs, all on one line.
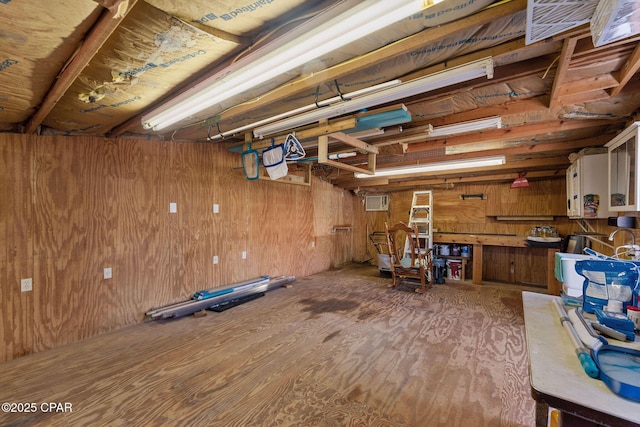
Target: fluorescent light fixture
{"points": [[330, 30], [444, 78], [306, 108], [470, 126], [435, 167]]}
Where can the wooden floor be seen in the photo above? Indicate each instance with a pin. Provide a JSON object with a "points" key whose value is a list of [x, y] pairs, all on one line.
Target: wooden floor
{"points": [[336, 349]]}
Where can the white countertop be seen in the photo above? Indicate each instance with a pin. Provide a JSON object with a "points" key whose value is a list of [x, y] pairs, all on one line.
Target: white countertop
{"points": [[554, 368]]}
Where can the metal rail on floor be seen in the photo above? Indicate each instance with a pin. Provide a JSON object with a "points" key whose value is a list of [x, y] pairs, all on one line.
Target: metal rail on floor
{"points": [[204, 299]]}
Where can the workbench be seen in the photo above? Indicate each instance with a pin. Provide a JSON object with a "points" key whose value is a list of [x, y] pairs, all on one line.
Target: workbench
{"points": [[480, 240], [558, 380]]}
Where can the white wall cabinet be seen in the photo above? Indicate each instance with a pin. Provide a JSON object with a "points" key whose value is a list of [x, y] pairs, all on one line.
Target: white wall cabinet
{"points": [[587, 187], [623, 171]]}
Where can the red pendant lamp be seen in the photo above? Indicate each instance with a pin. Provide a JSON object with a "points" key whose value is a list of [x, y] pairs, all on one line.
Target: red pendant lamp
{"points": [[520, 182]]}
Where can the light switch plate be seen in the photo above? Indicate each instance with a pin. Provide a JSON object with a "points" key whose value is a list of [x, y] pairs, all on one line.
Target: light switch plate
{"points": [[173, 207], [108, 273]]}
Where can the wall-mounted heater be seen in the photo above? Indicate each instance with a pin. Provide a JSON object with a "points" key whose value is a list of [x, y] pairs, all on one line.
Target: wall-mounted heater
{"points": [[376, 203]]}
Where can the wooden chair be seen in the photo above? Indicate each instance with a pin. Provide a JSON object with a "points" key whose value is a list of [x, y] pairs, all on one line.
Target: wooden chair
{"points": [[418, 264]]}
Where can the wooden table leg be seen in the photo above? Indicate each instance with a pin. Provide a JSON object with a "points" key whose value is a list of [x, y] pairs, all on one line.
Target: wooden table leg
{"points": [[553, 285], [477, 265]]}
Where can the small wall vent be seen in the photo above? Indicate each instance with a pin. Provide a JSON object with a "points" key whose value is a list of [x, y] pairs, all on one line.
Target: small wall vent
{"points": [[377, 203]]}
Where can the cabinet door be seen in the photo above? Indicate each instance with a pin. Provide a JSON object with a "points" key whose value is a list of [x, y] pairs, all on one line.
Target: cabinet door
{"points": [[573, 191], [592, 171], [623, 153]]}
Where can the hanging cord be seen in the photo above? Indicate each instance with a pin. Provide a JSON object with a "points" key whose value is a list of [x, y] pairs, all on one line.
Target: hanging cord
{"points": [[316, 96], [339, 91], [219, 132], [544, 76]]}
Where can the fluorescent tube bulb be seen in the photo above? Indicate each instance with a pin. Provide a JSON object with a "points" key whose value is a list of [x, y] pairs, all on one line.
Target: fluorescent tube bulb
{"points": [[306, 108], [435, 167], [470, 126], [322, 36], [448, 77]]}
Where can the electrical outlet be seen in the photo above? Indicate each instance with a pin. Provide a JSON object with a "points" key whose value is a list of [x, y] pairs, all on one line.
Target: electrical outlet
{"points": [[26, 285], [107, 273], [313, 243], [216, 208], [173, 207], [215, 259], [244, 254]]}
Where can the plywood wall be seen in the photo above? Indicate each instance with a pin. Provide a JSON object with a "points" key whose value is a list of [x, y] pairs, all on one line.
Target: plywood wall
{"points": [[453, 214], [71, 206]]}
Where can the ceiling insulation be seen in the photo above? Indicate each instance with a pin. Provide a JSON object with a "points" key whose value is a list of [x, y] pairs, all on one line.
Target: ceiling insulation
{"points": [[36, 41], [150, 54]]}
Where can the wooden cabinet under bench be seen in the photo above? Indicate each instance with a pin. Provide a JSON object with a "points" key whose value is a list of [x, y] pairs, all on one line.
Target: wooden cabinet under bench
{"points": [[480, 241]]}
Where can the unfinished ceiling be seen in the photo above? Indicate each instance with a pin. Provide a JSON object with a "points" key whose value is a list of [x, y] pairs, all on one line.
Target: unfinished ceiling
{"points": [[82, 67]]}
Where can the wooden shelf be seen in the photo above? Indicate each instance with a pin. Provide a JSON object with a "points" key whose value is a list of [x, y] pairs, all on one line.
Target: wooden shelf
{"points": [[481, 239], [464, 259]]}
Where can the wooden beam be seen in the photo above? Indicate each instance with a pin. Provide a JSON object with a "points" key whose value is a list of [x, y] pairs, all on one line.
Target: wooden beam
{"points": [[580, 98], [298, 174], [585, 46], [323, 128], [630, 67], [517, 132], [586, 85], [498, 177], [481, 239], [354, 142], [561, 70], [526, 149], [558, 150], [323, 153], [106, 25], [556, 164], [520, 165], [538, 103]]}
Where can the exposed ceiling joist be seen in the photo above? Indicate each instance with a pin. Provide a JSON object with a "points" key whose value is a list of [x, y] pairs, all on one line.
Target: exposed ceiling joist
{"points": [[629, 69], [519, 132], [109, 21], [553, 166], [338, 71], [561, 70]]}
